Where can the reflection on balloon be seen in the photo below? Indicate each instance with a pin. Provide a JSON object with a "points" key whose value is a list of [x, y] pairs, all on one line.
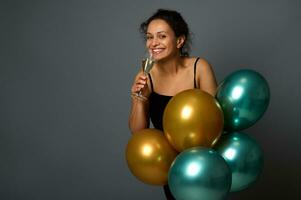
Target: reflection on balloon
{"points": [[244, 157], [192, 118], [149, 156], [244, 97], [199, 173]]}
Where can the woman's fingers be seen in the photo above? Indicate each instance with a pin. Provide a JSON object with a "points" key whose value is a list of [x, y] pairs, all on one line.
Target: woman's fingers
{"points": [[142, 77], [137, 87], [141, 81], [139, 84]]}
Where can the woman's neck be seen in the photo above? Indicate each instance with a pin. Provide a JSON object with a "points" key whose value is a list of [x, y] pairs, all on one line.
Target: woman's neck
{"points": [[170, 66]]}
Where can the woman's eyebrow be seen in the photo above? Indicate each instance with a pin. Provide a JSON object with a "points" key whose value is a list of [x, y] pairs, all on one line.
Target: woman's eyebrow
{"points": [[161, 32], [156, 32]]}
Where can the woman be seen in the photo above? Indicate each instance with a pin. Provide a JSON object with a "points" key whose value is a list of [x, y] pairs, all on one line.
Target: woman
{"points": [[167, 40]]}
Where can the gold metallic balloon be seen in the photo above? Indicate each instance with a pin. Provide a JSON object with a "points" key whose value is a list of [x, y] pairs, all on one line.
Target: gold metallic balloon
{"points": [[192, 118], [149, 156]]}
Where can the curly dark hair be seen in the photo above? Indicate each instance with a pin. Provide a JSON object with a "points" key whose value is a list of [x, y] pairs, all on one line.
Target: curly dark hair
{"points": [[177, 24]]}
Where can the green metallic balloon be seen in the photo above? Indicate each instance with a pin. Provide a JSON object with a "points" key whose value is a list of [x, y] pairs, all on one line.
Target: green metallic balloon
{"points": [[199, 173], [244, 97], [244, 157]]}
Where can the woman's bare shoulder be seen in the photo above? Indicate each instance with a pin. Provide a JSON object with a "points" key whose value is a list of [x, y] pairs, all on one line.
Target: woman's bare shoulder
{"points": [[193, 59], [203, 64], [203, 61], [189, 61]]}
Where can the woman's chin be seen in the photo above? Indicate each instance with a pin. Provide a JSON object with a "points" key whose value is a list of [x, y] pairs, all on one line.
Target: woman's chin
{"points": [[159, 57]]}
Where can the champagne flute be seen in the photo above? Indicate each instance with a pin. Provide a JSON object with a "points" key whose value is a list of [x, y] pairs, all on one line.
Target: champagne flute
{"points": [[147, 65]]}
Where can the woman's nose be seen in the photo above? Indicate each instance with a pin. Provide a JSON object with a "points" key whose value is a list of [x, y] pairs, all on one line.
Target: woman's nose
{"points": [[155, 42]]}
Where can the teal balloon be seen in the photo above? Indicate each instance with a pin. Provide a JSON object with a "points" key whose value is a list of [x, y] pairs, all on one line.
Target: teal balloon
{"points": [[244, 97], [199, 173], [244, 157]]}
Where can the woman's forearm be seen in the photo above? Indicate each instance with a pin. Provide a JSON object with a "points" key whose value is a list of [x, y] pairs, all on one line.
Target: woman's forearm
{"points": [[138, 115]]}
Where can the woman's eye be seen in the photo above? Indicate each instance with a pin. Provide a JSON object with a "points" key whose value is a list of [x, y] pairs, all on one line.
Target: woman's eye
{"points": [[149, 37], [162, 36]]}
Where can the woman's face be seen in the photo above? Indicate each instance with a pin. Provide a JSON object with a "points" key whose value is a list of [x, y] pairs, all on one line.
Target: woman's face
{"points": [[161, 41]]}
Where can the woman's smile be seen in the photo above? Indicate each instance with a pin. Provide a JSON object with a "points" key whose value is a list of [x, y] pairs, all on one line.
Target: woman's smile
{"points": [[156, 51]]}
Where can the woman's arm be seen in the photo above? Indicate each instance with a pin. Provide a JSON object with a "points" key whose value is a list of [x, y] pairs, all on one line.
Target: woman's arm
{"points": [[207, 80], [139, 117]]}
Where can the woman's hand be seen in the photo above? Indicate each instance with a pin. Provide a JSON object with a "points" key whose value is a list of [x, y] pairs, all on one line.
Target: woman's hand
{"points": [[140, 84]]}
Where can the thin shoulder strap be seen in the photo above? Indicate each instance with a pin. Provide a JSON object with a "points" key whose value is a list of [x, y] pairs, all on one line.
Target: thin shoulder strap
{"points": [[194, 75], [151, 82]]}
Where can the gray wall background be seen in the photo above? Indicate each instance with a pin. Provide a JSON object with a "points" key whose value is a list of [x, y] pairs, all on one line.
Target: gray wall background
{"points": [[66, 68]]}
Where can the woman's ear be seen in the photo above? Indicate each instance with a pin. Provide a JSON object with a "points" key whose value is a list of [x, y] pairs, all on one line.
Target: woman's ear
{"points": [[180, 41]]}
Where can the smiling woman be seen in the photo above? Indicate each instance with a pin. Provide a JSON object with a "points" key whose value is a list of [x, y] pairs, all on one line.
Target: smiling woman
{"points": [[167, 40], [161, 40]]}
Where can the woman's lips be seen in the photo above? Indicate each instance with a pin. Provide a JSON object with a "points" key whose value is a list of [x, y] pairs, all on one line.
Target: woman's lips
{"points": [[156, 51]]}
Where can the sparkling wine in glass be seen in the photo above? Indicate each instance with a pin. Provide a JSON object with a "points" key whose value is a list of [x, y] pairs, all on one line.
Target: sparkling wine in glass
{"points": [[147, 65]]}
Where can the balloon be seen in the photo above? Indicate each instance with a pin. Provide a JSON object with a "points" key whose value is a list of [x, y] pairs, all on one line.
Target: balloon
{"points": [[244, 97], [244, 157], [149, 156], [192, 118], [199, 173]]}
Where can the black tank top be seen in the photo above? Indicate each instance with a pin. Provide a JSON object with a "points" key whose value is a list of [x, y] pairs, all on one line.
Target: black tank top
{"points": [[158, 102]]}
